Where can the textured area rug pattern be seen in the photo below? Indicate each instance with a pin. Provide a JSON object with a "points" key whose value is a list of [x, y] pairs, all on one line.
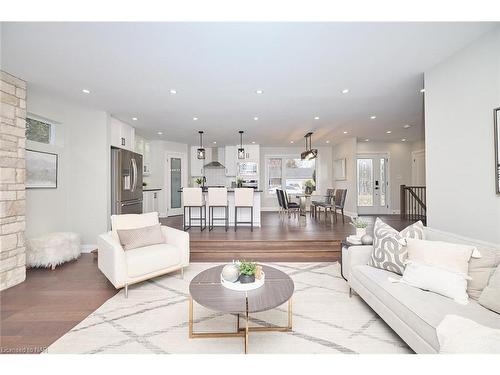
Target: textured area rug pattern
{"points": [[154, 319]]}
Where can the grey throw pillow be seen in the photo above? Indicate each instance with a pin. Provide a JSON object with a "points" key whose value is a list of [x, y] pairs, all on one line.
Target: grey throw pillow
{"points": [[490, 297], [140, 237], [389, 245]]}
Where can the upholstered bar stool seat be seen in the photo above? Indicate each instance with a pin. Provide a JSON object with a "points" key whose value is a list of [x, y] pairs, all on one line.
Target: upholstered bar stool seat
{"points": [[217, 198], [243, 198], [193, 198]]}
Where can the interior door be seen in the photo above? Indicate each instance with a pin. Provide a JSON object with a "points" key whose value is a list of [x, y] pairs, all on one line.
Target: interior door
{"points": [[175, 166], [418, 168], [372, 182]]}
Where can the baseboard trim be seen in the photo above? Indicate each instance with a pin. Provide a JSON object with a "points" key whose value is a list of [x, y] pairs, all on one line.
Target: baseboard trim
{"points": [[86, 249]]}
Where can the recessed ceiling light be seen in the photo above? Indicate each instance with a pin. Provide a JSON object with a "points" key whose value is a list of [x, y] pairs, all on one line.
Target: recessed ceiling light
{"points": [[253, 142], [346, 132], [215, 142], [259, 91], [367, 140], [345, 91], [422, 90], [85, 91], [160, 133], [388, 131], [256, 118], [195, 118], [373, 117], [173, 91], [291, 141], [327, 141], [316, 118], [403, 140], [407, 126], [134, 118]]}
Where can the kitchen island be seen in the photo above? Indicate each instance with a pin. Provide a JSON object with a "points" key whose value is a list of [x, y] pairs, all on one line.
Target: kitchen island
{"points": [[243, 213]]}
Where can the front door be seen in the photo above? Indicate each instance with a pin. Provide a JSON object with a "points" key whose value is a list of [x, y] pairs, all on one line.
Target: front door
{"points": [[372, 182]]}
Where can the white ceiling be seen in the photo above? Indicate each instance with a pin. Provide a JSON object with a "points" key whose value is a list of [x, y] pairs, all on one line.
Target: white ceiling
{"points": [[217, 67]]}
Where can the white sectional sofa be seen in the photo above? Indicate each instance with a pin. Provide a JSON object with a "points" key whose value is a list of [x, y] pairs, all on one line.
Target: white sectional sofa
{"points": [[412, 313]]}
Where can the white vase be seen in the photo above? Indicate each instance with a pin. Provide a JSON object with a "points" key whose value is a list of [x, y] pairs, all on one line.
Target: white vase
{"points": [[360, 232]]}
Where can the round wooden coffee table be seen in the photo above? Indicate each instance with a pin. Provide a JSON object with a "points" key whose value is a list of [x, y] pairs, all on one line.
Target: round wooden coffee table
{"points": [[207, 290]]}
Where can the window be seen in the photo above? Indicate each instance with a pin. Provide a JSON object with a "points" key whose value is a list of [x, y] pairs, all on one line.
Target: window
{"points": [[289, 174], [39, 131]]}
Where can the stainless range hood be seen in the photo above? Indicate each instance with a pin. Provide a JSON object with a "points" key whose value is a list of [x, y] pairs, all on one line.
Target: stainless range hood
{"points": [[214, 163]]}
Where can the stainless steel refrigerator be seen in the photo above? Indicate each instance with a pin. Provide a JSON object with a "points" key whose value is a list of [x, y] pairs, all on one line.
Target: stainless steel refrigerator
{"points": [[126, 182]]}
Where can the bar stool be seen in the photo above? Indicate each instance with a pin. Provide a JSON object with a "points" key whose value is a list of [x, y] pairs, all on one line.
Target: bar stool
{"points": [[243, 198], [193, 198], [217, 197]]}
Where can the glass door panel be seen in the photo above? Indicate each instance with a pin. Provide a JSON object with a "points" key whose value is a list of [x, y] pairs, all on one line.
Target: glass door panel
{"points": [[365, 182], [175, 184]]}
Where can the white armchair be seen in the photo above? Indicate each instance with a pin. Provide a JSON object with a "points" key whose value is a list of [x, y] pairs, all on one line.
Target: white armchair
{"points": [[123, 268]]}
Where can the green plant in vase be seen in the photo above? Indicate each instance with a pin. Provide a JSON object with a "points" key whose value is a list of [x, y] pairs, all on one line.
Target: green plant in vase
{"points": [[198, 181], [247, 272], [309, 184], [360, 226]]}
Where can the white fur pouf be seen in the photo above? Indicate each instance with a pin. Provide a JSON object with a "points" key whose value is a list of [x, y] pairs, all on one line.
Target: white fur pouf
{"points": [[52, 249]]}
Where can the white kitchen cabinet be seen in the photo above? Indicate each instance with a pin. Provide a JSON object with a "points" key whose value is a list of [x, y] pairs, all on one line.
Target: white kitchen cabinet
{"points": [[150, 201], [122, 135], [231, 160], [142, 147], [196, 168], [252, 152]]}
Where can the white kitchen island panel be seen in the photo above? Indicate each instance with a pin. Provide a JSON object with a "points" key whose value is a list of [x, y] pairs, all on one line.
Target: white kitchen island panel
{"points": [[243, 213]]}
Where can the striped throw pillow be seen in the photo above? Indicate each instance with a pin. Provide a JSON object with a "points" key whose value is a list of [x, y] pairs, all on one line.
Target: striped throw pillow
{"points": [[140, 237]]}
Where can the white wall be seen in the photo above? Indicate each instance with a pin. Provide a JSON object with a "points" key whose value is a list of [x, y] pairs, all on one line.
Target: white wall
{"points": [[324, 170], [347, 149], [80, 203], [461, 93], [399, 166]]}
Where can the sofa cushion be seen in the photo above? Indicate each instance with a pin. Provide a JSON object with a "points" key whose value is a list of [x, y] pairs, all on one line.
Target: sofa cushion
{"points": [[480, 269], [140, 237], [148, 259], [490, 297], [389, 245], [419, 309]]}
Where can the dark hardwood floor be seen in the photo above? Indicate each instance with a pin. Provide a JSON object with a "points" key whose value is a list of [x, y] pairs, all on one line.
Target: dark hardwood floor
{"points": [[48, 304], [289, 240]]}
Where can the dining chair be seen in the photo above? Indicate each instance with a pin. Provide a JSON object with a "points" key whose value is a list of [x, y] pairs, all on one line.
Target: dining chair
{"points": [[340, 197]]}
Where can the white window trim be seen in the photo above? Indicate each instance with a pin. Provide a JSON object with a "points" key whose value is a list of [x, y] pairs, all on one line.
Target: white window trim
{"points": [[284, 156]]}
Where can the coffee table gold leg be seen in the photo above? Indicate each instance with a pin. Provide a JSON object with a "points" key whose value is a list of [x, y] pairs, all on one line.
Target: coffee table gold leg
{"points": [[246, 333], [190, 317], [290, 313]]}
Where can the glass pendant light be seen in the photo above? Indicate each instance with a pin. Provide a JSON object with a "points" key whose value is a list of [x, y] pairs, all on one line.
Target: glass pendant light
{"points": [[309, 153], [200, 153], [241, 150]]}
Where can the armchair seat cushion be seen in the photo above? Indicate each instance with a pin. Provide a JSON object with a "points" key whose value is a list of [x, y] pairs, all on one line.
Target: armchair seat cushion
{"points": [[148, 259]]}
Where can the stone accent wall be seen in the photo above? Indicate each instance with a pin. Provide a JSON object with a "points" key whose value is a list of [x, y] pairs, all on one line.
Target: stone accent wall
{"points": [[12, 181]]}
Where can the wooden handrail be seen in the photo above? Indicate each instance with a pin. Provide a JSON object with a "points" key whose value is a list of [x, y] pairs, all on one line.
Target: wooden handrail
{"points": [[413, 203]]}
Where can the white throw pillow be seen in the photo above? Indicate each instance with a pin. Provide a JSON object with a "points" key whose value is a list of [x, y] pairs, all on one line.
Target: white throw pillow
{"points": [[457, 335], [437, 280], [450, 256]]}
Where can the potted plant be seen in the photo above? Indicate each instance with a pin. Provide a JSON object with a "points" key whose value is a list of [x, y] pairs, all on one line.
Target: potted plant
{"points": [[247, 272], [198, 181], [360, 226], [309, 184]]}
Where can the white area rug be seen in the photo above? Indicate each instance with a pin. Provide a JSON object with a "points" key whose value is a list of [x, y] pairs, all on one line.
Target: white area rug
{"points": [[154, 319]]}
